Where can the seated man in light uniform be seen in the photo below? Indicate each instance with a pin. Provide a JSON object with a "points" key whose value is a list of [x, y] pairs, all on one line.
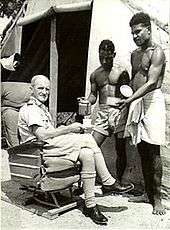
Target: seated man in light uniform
{"points": [[105, 84], [66, 142]]}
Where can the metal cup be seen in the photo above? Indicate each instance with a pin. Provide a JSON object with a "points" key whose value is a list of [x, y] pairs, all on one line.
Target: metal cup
{"points": [[84, 107]]}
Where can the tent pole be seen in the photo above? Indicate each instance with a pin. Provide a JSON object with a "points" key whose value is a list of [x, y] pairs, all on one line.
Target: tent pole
{"points": [[53, 72]]}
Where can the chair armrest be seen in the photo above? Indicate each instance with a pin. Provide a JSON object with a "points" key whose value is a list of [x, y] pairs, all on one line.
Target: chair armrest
{"points": [[26, 146]]}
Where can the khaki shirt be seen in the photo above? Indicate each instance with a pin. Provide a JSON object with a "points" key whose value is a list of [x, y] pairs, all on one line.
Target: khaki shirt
{"points": [[33, 113]]}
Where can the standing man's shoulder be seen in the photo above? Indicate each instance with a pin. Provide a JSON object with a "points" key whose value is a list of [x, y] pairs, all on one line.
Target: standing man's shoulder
{"points": [[94, 75], [118, 69], [158, 54], [135, 53]]}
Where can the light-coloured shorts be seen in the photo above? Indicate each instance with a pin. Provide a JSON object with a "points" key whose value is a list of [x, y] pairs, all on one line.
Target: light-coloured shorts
{"points": [[110, 120]]}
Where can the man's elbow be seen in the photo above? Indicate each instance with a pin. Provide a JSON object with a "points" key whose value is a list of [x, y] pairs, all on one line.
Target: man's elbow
{"points": [[92, 99], [152, 85]]}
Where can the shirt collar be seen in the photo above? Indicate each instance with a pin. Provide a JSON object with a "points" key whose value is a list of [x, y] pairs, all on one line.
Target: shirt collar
{"points": [[38, 103]]}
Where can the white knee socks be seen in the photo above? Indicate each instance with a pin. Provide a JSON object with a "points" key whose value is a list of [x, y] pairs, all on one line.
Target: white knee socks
{"points": [[88, 179], [102, 170]]}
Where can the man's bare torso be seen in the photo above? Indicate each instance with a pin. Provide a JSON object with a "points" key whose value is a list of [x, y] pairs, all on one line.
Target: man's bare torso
{"points": [[141, 62], [106, 83]]}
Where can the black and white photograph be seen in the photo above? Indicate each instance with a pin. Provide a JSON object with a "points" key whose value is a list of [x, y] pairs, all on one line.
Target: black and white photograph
{"points": [[85, 114]]}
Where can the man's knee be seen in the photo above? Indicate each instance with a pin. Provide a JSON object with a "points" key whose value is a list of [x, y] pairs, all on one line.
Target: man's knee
{"points": [[86, 156]]}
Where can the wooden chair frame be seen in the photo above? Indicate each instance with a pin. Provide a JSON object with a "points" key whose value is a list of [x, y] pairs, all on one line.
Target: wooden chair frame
{"points": [[27, 168]]}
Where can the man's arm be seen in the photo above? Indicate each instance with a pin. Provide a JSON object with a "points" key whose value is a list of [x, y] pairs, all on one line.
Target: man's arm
{"points": [[157, 61], [93, 94], [132, 70], [43, 134]]}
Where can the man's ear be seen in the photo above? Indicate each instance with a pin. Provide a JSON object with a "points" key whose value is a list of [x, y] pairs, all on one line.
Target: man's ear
{"points": [[114, 54], [31, 88], [149, 29]]}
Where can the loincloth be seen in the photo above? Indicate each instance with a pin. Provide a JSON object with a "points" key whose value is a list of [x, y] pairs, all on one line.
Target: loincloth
{"points": [[146, 119]]}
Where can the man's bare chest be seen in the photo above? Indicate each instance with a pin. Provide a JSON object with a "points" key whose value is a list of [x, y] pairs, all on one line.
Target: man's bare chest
{"points": [[141, 61], [107, 79]]}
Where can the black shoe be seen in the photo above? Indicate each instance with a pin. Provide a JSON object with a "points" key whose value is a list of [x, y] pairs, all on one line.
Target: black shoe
{"points": [[95, 214], [117, 188]]}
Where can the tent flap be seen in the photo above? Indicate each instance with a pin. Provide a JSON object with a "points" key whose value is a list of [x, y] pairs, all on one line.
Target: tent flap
{"points": [[35, 17], [78, 6]]}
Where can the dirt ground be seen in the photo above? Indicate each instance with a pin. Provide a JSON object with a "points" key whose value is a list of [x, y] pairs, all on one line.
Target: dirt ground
{"points": [[121, 213]]}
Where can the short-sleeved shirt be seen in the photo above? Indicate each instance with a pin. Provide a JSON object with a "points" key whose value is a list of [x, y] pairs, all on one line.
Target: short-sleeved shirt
{"points": [[33, 113], [67, 146]]}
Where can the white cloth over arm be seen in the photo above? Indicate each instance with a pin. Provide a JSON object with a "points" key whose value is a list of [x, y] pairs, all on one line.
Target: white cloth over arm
{"points": [[146, 119]]}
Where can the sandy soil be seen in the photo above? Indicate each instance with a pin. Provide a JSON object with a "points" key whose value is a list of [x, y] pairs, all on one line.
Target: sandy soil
{"points": [[121, 213]]}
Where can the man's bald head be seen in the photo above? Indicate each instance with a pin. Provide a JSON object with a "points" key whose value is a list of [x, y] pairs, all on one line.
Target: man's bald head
{"points": [[39, 78], [40, 85]]}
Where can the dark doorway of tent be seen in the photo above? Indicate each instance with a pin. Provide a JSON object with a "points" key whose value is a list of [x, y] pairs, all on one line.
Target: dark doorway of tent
{"points": [[72, 40], [73, 30]]}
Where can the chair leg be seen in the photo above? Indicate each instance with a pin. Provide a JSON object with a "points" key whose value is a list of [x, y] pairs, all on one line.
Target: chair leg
{"points": [[44, 200], [71, 192], [79, 191], [79, 184], [55, 200]]}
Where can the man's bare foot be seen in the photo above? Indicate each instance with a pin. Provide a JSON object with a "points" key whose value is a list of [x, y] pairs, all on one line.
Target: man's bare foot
{"points": [[158, 209], [139, 199]]}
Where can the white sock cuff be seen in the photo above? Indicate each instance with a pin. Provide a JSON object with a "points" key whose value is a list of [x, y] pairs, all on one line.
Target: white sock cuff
{"points": [[88, 175]]}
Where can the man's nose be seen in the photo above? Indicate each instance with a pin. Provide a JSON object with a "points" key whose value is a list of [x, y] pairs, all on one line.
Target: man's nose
{"points": [[44, 91], [135, 35]]}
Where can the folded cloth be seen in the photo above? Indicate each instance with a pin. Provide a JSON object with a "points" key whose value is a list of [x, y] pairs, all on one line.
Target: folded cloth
{"points": [[133, 125], [146, 119]]}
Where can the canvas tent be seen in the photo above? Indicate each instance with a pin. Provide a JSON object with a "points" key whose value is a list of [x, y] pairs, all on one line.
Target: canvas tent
{"points": [[60, 38]]}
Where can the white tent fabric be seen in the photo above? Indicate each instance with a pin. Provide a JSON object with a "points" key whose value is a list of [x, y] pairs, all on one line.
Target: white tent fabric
{"points": [[110, 21], [40, 9]]}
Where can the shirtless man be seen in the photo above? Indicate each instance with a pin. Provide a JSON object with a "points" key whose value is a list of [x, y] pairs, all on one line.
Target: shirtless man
{"points": [[148, 66], [104, 81]]}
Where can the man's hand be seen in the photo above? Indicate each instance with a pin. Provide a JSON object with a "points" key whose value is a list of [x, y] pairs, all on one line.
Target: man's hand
{"points": [[122, 104], [76, 127]]}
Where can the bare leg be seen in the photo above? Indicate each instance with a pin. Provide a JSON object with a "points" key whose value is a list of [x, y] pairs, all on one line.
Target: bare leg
{"points": [[152, 172], [99, 138], [109, 183], [158, 208], [121, 159]]}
